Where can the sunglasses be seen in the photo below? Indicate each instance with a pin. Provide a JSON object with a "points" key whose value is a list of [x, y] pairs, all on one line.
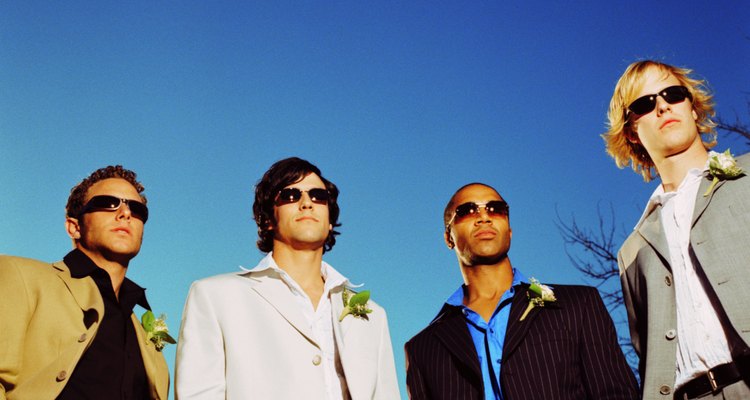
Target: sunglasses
{"points": [[293, 195], [112, 203], [494, 208], [672, 95]]}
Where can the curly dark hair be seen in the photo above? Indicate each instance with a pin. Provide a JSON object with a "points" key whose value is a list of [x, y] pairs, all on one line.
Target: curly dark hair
{"points": [[282, 174], [78, 193]]}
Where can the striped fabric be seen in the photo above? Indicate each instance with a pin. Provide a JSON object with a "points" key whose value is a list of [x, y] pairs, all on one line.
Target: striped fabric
{"points": [[566, 350]]}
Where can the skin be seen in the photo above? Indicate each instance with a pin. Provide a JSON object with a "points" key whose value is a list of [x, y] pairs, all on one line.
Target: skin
{"points": [[481, 243], [300, 233], [669, 132], [110, 238]]}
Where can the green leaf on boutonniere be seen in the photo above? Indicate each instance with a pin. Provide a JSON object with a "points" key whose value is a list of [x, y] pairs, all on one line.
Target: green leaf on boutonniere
{"points": [[538, 295], [722, 166], [356, 305], [156, 330]]}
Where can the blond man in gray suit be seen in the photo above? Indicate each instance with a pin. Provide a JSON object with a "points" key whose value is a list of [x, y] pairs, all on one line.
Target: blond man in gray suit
{"points": [[685, 269]]}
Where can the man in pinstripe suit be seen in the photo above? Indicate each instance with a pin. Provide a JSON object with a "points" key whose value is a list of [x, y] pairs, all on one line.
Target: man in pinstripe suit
{"points": [[487, 343]]}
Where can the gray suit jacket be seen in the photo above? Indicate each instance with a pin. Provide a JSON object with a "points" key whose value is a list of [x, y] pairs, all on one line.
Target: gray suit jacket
{"points": [[720, 243]]}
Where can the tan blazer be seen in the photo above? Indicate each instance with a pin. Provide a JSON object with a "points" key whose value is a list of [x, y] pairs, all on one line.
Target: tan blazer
{"points": [[719, 243], [244, 337], [47, 321]]}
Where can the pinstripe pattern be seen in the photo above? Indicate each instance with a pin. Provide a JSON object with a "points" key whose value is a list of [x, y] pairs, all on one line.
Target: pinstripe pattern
{"points": [[567, 350]]}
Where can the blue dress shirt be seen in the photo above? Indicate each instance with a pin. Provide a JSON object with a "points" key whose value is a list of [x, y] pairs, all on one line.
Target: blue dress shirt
{"points": [[489, 337]]}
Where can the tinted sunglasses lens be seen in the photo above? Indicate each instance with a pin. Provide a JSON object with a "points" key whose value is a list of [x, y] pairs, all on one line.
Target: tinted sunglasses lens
{"points": [[288, 196], [675, 94], [318, 196], [497, 207], [465, 209], [103, 203], [643, 105], [138, 210]]}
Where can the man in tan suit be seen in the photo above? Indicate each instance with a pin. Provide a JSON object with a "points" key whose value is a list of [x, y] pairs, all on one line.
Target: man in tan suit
{"points": [[281, 330], [68, 329], [684, 269]]}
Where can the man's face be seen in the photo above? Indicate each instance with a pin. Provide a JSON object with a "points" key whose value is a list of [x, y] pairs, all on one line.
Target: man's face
{"points": [[669, 129], [109, 235], [302, 225], [482, 238]]}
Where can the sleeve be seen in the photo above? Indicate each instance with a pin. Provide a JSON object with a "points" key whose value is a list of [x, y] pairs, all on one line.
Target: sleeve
{"points": [[387, 385], [15, 313], [415, 385], [606, 373], [199, 364], [627, 297]]}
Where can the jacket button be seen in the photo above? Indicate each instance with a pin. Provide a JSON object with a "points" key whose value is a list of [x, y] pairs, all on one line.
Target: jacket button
{"points": [[671, 334], [61, 376], [665, 389], [82, 338], [316, 360], [668, 280]]}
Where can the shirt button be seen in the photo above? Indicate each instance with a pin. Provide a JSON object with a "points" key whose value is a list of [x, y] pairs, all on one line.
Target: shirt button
{"points": [[665, 389], [61, 376], [316, 359], [668, 280], [671, 334], [82, 338]]}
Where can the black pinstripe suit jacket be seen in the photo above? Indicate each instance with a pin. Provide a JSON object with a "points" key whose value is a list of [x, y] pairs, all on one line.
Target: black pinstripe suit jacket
{"points": [[566, 350]]}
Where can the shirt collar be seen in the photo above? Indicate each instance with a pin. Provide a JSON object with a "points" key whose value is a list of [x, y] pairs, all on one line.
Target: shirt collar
{"points": [[457, 298], [659, 197], [81, 266], [331, 277]]}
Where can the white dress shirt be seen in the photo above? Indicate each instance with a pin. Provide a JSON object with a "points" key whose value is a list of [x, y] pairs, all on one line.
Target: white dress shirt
{"points": [[321, 324], [701, 341]]}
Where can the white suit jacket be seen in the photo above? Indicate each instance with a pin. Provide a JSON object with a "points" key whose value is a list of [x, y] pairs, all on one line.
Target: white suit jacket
{"points": [[243, 336]]}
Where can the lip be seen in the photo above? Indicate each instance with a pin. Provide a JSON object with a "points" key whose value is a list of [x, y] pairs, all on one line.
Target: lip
{"points": [[670, 122], [306, 218], [485, 234], [121, 229]]}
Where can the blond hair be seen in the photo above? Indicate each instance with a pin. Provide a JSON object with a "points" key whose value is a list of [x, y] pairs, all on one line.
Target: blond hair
{"points": [[621, 141]]}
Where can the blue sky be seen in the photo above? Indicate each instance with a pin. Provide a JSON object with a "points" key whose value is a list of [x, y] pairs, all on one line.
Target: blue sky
{"points": [[399, 104]]}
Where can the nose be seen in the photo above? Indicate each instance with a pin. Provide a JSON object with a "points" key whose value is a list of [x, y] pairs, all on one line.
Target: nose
{"points": [[483, 216], [661, 105], [305, 201], [124, 211]]}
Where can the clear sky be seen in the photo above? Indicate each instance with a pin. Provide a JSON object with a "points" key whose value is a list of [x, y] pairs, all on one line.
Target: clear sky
{"points": [[399, 104]]}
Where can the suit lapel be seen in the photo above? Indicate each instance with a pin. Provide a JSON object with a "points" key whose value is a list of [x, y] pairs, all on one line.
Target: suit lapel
{"points": [[653, 232], [450, 328], [276, 293], [701, 202], [153, 362], [517, 329], [84, 291]]}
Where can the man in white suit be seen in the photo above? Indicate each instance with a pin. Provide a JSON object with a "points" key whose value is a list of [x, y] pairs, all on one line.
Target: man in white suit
{"points": [[279, 330], [684, 269]]}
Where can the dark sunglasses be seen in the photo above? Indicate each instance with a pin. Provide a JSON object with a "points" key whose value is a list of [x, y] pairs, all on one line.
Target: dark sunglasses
{"points": [[495, 208], [293, 195], [672, 95], [112, 203]]}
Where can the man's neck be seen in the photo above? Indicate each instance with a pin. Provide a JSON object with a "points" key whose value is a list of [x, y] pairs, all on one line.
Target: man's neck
{"points": [[485, 285], [303, 266], [673, 169], [116, 270]]}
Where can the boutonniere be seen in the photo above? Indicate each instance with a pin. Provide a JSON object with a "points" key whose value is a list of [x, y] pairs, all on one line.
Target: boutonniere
{"points": [[355, 305], [722, 166], [538, 295], [156, 330]]}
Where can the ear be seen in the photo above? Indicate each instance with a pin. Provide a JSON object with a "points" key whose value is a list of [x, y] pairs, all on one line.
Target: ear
{"points": [[330, 227], [695, 115], [73, 228], [448, 239]]}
